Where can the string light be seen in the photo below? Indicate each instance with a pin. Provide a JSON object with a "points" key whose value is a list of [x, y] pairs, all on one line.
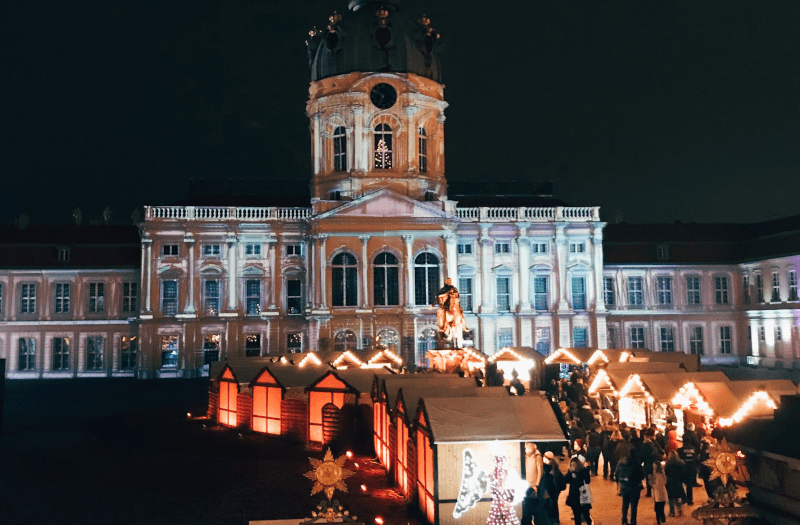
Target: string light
{"points": [[635, 380], [601, 378], [310, 357], [596, 356], [375, 363], [474, 483], [689, 394], [747, 407], [562, 352], [624, 356], [349, 356]]}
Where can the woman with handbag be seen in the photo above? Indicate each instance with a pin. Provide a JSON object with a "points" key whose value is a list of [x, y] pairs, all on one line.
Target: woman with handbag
{"points": [[579, 497]]}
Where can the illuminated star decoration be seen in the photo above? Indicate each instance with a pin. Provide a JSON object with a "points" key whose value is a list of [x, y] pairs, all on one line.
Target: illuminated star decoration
{"points": [[724, 461], [328, 474], [474, 484]]}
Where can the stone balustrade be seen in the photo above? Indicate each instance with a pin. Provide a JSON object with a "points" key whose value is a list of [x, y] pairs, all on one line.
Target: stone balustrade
{"points": [[558, 213]]}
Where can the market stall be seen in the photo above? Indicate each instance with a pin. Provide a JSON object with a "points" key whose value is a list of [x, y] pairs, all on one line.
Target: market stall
{"points": [[524, 360]]}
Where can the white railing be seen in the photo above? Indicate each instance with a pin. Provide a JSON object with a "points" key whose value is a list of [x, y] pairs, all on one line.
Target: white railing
{"points": [[558, 213], [221, 213]]}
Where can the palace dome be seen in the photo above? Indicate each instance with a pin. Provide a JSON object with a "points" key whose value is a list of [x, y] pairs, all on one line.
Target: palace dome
{"points": [[374, 37]]}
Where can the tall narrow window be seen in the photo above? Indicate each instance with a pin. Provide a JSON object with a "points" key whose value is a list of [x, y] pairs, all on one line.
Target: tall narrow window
{"points": [[344, 273], [580, 337], [541, 301], [27, 299], [611, 337], [129, 350], [792, 285], [696, 340], [390, 339], [383, 147], [637, 336], [169, 351], [426, 340], [505, 338], [423, 150], [130, 297], [96, 297], [667, 339], [294, 343], [60, 353], [721, 289], [294, 296], [94, 352], [387, 283], [252, 292], [344, 340], [426, 279], [211, 297], [340, 149], [664, 290], [724, 339], [169, 297], [503, 294], [778, 333], [760, 288], [608, 291], [543, 341], [27, 354], [252, 345], [578, 293], [465, 293], [693, 291], [62, 298], [746, 288], [211, 348], [635, 292], [776, 287]]}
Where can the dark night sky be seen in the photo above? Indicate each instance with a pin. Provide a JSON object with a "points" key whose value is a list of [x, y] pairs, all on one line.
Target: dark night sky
{"points": [[665, 110]]}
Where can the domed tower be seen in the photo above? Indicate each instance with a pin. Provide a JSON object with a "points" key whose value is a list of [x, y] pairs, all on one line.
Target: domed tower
{"points": [[376, 106]]}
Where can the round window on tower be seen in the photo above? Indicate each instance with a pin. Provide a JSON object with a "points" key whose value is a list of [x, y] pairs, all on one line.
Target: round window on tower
{"points": [[383, 96]]}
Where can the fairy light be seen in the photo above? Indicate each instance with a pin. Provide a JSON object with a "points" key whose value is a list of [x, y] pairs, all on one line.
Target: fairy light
{"points": [[636, 381], [474, 483], [596, 356], [349, 356], [600, 379], [562, 352], [283, 359], [310, 357], [624, 356], [363, 488], [747, 407], [689, 394], [375, 361]]}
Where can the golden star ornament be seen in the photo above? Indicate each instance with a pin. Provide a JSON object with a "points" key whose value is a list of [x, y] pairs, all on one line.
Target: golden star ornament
{"points": [[724, 462], [328, 474]]}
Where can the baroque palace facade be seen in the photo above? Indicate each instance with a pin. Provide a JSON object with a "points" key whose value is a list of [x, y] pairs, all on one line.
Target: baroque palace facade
{"points": [[363, 261]]}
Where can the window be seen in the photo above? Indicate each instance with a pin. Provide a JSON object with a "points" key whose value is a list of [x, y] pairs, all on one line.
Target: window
{"points": [[211, 250], [578, 293], [667, 339], [345, 340], [169, 297], [635, 293], [762, 333], [129, 350], [62, 298], [760, 288], [637, 336], [426, 340], [252, 345], [664, 290], [170, 250], [465, 293], [345, 280], [294, 249], [27, 299], [390, 339], [252, 294], [294, 343], [502, 247], [611, 337], [386, 276], [130, 297], [696, 340], [464, 248], [721, 289], [504, 338], [539, 247], [792, 286], [294, 296], [577, 247], [423, 150], [724, 339], [503, 294], [211, 296], [252, 249], [543, 341], [27, 354], [608, 291], [662, 252], [693, 291], [63, 254], [776, 288], [426, 279], [96, 297], [541, 300], [778, 333], [211, 348], [60, 353], [340, 149], [746, 288], [580, 337], [169, 351], [383, 147], [94, 352]]}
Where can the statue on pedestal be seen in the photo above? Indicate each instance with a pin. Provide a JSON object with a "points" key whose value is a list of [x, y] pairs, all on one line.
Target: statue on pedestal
{"points": [[450, 316]]}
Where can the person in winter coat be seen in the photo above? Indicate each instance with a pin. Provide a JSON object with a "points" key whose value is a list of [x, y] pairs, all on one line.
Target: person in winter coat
{"points": [[623, 449], [674, 469], [551, 485], [595, 441], [609, 456], [576, 478], [688, 455], [649, 454], [658, 482], [586, 417], [629, 485], [672, 438]]}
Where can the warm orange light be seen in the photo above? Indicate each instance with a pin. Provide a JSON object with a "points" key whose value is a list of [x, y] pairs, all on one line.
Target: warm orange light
{"points": [[363, 488], [356, 464], [379, 521], [188, 414], [349, 455]]}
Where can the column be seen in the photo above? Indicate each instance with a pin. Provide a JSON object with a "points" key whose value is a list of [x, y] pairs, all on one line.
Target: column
{"points": [[308, 247], [597, 246], [524, 262], [486, 244], [232, 278], [561, 265], [323, 263], [412, 134], [148, 270], [317, 144], [409, 240], [189, 241], [364, 269], [350, 147], [358, 139], [450, 241], [272, 243]]}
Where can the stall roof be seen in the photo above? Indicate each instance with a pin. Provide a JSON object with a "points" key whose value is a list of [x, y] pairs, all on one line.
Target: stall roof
{"points": [[480, 419], [422, 382], [660, 386], [722, 400], [774, 387], [515, 353], [689, 362], [643, 367], [681, 378], [362, 378]]}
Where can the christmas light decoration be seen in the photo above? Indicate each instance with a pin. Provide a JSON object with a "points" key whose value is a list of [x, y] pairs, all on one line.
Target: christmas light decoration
{"points": [[602, 380], [507, 489], [502, 510], [474, 484], [726, 461], [379, 359], [562, 352], [636, 381], [597, 356], [689, 395], [757, 397], [624, 356], [383, 156], [349, 356], [310, 358]]}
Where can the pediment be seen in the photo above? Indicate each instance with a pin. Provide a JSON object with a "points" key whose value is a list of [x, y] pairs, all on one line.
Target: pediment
{"points": [[386, 203]]}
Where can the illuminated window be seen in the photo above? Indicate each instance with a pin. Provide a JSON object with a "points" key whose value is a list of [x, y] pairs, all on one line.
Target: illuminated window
{"points": [[793, 285], [724, 339], [60, 353], [294, 296], [228, 399], [465, 293], [693, 291], [130, 297], [543, 341], [96, 297], [464, 248], [580, 337], [635, 292], [664, 290], [211, 296], [266, 405], [62, 298], [423, 150], [27, 354], [211, 250], [577, 247], [252, 292], [383, 147], [252, 345], [252, 249], [578, 293], [169, 297], [721, 289], [502, 247], [425, 341], [637, 337], [27, 299], [426, 279], [503, 294], [541, 298], [169, 351], [760, 288], [344, 273], [390, 339], [746, 288], [386, 270], [294, 343], [129, 351], [667, 339], [295, 249], [608, 291], [776, 288], [539, 247], [696, 340], [344, 340], [170, 250], [505, 338], [94, 352], [340, 149], [211, 344]]}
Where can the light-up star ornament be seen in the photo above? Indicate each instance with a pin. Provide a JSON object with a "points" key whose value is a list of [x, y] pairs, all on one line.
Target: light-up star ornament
{"points": [[328, 474], [724, 461]]}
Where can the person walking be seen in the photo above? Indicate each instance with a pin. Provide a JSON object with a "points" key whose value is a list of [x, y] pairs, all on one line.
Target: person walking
{"points": [[688, 455], [650, 453], [609, 453], [550, 486], [579, 497], [658, 482], [629, 485], [674, 469], [595, 442]]}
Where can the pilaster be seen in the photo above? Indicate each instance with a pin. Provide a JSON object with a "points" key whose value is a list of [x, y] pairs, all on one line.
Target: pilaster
{"points": [[231, 271], [364, 268], [189, 309], [409, 241], [524, 255], [486, 244], [560, 243], [450, 241]]}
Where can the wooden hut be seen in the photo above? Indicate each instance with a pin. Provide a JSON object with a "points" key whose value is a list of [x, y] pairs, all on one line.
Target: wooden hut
{"points": [[452, 360], [526, 361]]}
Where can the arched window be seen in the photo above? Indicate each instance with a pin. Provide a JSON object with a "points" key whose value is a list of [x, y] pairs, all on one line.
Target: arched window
{"points": [[345, 280], [386, 272], [340, 149], [423, 150], [389, 339], [426, 279], [425, 341], [383, 147], [344, 340]]}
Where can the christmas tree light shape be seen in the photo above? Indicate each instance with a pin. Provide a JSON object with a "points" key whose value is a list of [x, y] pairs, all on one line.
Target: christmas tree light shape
{"points": [[507, 489], [474, 484]]}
